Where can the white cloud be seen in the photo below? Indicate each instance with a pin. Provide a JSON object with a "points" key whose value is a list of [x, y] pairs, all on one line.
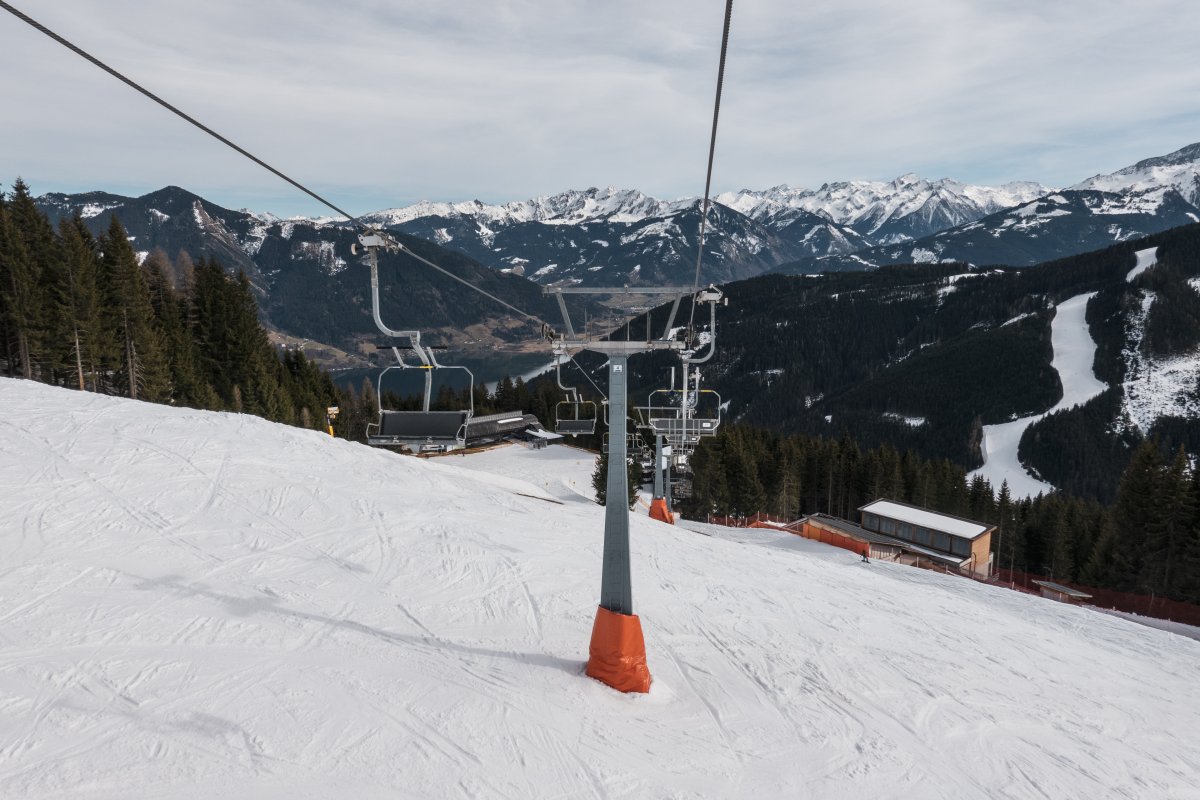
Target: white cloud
{"points": [[384, 103]]}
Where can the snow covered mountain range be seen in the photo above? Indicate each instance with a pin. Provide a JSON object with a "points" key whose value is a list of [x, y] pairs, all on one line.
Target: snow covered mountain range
{"points": [[617, 236], [624, 237]]}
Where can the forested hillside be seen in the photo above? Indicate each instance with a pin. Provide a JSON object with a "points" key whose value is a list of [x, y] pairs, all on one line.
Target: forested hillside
{"points": [[1147, 541], [79, 311], [922, 356], [308, 283]]}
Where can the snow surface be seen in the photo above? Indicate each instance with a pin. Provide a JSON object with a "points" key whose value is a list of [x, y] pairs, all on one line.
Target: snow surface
{"points": [[1145, 259], [1178, 171], [1074, 353], [1156, 387], [914, 422], [202, 605], [874, 203], [928, 519]]}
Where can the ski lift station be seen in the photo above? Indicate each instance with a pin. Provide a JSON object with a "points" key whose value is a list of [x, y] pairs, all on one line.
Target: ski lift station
{"points": [[891, 531]]}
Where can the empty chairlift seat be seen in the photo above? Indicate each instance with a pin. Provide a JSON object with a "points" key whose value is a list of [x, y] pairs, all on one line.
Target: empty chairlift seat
{"points": [[575, 417], [574, 427], [409, 427], [677, 429]]}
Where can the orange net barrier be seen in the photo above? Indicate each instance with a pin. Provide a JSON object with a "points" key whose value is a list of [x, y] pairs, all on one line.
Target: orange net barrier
{"points": [[659, 511]]}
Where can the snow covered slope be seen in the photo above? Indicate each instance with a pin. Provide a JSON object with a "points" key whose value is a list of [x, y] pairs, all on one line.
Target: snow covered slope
{"points": [[210, 605], [1074, 352], [1179, 171]]}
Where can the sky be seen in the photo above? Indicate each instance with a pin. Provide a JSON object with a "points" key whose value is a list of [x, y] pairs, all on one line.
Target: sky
{"points": [[380, 104]]}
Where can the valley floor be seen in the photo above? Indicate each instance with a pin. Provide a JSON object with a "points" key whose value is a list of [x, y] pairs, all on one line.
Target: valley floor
{"points": [[210, 605]]}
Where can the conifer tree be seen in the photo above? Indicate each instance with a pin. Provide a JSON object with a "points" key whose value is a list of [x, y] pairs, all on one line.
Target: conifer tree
{"points": [[1133, 513], [1165, 538], [139, 362], [34, 258], [20, 297], [78, 301]]}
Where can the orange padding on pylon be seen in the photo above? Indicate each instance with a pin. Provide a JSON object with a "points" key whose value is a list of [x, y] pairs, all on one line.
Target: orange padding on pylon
{"points": [[617, 655], [660, 512]]}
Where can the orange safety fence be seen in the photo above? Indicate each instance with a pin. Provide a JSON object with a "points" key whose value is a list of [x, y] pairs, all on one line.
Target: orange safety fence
{"points": [[1141, 604]]}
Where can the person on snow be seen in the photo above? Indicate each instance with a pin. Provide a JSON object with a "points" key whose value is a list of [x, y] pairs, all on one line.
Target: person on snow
{"points": [[865, 559]]}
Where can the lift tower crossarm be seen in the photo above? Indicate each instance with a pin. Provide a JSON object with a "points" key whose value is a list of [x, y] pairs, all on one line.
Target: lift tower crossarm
{"points": [[572, 341]]}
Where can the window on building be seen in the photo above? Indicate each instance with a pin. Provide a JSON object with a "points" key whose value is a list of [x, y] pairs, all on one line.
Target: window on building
{"points": [[941, 541], [887, 525], [904, 530], [960, 547], [871, 522], [924, 536]]}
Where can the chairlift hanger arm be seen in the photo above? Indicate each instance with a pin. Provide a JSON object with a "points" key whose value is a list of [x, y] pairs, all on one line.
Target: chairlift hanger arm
{"points": [[713, 296]]}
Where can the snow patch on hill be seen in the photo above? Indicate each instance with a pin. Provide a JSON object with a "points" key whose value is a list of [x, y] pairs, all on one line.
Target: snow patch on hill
{"points": [[1145, 259], [1156, 387]]}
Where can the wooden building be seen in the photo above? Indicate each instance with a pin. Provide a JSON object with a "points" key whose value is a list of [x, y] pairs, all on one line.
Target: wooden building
{"points": [[907, 534], [943, 538], [1063, 594]]}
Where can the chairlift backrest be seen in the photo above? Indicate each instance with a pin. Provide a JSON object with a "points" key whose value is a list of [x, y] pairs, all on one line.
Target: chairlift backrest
{"points": [[571, 417], [440, 429]]}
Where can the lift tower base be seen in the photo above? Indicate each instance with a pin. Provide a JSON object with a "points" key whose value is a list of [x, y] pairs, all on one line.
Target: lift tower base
{"points": [[617, 654]]}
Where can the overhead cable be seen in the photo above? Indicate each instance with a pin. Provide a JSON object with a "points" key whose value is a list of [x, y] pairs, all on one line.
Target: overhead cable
{"points": [[192, 120], [134, 85], [712, 148]]}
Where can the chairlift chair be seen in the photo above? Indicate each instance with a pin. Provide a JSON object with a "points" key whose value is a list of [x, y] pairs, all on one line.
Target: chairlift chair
{"points": [[666, 418], [424, 430], [571, 415]]}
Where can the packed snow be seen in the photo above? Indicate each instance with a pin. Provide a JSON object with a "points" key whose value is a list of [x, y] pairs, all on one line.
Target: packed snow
{"points": [[210, 605], [1145, 259], [1156, 387], [1074, 353]]}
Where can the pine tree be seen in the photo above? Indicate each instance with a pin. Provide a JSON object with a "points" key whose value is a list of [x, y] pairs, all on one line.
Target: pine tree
{"points": [[78, 298], [1165, 539], [600, 479], [41, 255], [1134, 512], [20, 297], [139, 362]]}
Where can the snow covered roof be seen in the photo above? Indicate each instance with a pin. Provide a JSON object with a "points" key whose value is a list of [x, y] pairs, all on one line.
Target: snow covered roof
{"points": [[1067, 590], [543, 434], [927, 519], [859, 532]]}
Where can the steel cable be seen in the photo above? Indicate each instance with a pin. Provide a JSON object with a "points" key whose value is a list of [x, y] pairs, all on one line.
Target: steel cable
{"points": [[712, 147]]}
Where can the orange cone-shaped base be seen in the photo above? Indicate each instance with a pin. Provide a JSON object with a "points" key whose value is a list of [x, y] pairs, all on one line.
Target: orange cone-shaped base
{"points": [[617, 655], [659, 511]]}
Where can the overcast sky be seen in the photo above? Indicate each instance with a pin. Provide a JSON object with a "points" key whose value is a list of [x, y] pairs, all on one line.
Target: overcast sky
{"points": [[379, 103]]}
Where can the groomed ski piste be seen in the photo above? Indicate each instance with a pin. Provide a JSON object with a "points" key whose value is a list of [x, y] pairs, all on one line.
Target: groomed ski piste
{"points": [[1074, 353], [204, 605]]}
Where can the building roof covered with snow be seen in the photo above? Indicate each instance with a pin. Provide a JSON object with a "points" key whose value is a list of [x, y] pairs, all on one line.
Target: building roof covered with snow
{"points": [[933, 520]]}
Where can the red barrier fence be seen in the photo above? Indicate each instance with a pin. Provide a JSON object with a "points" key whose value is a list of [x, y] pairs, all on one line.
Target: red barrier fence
{"points": [[1145, 605], [745, 522]]}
